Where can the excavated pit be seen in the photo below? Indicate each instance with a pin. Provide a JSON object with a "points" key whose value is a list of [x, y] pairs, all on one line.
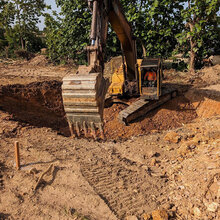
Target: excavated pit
{"points": [[40, 104]]}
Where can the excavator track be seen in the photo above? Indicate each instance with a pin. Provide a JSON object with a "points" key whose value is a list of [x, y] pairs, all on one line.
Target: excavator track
{"points": [[83, 99], [143, 106]]}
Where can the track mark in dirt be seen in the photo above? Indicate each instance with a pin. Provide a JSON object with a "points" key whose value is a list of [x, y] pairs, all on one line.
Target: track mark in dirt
{"points": [[124, 186], [2, 167]]}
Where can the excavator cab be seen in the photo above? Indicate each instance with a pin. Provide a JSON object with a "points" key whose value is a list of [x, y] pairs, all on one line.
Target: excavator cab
{"points": [[150, 78]]}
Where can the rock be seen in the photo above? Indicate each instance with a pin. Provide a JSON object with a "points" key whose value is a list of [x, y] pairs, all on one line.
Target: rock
{"points": [[172, 137], [153, 153], [214, 188], [145, 167], [196, 211], [191, 144], [43, 51], [153, 162], [196, 140], [170, 148], [146, 216], [183, 150], [218, 194], [33, 171], [167, 206], [131, 218], [213, 207], [160, 215]]}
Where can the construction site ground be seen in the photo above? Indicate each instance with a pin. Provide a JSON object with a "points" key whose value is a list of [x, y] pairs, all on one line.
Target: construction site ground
{"points": [[165, 165]]}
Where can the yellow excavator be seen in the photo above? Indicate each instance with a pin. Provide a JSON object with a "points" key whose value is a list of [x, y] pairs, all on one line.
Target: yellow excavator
{"points": [[84, 93]]}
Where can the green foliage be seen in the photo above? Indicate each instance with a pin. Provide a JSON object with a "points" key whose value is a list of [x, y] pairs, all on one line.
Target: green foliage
{"points": [[155, 24], [18, 20], [68, 36], [27, 13], [201, 32]]}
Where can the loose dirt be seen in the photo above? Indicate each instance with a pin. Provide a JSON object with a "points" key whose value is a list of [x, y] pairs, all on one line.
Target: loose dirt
{"points": [[135, 172], [211, 75], [40, 104]]}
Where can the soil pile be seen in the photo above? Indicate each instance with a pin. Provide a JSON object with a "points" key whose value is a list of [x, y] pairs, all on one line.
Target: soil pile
{"points": [[205, 100], [211, 75], [173, 114], [39, 60]]}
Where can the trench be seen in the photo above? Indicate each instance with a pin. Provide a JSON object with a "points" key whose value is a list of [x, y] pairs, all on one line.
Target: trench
{"points": [[40, 104]]}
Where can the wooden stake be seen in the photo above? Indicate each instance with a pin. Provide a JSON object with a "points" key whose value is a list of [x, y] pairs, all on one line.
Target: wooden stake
{"points": [[17, 155]]}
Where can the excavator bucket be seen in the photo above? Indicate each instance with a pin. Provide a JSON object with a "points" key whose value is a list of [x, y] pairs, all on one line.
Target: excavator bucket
{"points": [[83, 99]]}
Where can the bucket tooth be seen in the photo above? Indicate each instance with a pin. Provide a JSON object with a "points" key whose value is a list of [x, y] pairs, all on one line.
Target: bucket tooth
{"points": [[71, 129], [77, 129], [85, 129], [93, 131], [102, 136]]}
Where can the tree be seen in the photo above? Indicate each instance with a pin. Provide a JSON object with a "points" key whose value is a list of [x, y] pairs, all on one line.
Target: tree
{"points": [[155, 24], [27, 13], [18, 21], [6, 14], [6, 20], [200, 31], [70, 32]]}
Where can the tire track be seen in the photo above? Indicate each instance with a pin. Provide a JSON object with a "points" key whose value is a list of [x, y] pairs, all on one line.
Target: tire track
{"points": [[2, 167], [122, 184]]}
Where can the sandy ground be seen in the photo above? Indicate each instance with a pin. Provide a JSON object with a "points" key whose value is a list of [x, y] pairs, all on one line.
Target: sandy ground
{"points": [[165, 165]]}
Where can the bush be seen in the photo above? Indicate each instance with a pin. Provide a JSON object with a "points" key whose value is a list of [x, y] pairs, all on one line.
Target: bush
{"points": [[24, 54]]}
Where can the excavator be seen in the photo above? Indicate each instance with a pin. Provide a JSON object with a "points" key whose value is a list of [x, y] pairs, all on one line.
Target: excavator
{"points": [[84, 92]]}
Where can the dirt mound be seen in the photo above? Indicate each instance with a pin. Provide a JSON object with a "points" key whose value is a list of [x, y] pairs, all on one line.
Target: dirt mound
{"points": [[171, 115], [211, 75], [39, 60], [39, 104], [206, 101]]}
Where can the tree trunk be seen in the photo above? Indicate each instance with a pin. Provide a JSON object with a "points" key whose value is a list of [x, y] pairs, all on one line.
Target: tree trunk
{"points": [[22, 43], [144, 49], [192, 52], [192, 61], [6, 52]]}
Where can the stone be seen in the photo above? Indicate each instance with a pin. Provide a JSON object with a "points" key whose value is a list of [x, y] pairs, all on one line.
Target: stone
{"points": [[213, 207], [153, 162], [197, 212], [146, 216], [131, 218], [191, 144], [196, 140], [218, 194], [160, 215], [43, 51], [214, 188], [33, 171], [172, 137], [183, 150], [167, 206], [145, 167]]}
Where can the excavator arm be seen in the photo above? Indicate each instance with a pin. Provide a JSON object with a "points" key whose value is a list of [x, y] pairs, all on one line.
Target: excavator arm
{"points": [[105, 12], [84, 93]]}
